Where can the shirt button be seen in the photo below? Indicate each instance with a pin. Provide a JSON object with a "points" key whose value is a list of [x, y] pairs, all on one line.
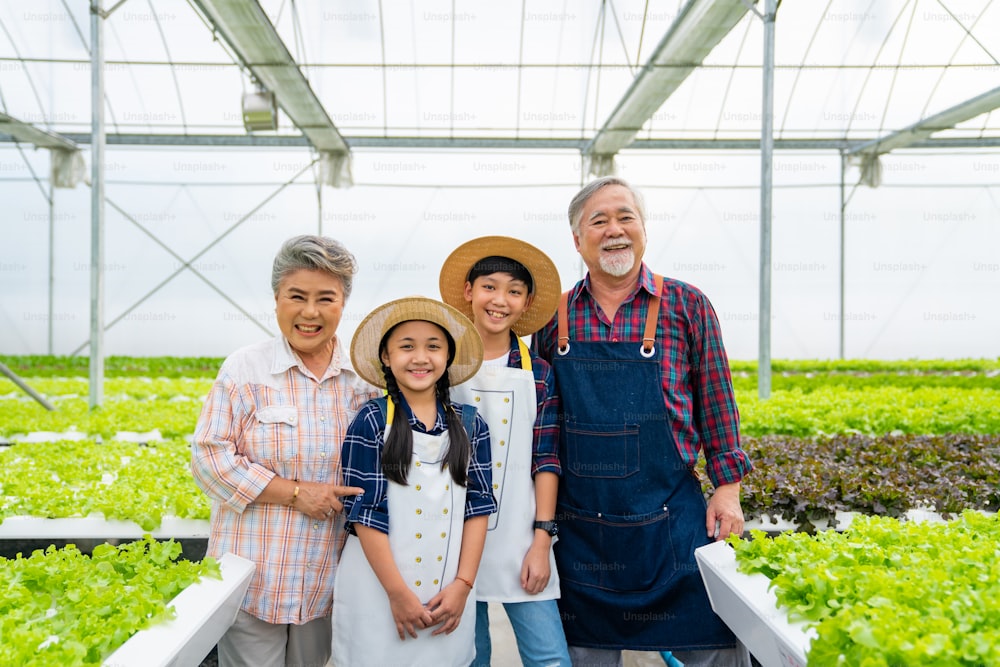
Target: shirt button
{"points": [[322, 455], [506, 399], [499, 465], [504, 420], [322, 419], [417, 487], [477, 399], [315, 526], [417, 582], [435, 582], [444, 511], [444, 534], [419, 535], [502, 443], [419, 511], [440, 558], [496, 486], [418, 559]]}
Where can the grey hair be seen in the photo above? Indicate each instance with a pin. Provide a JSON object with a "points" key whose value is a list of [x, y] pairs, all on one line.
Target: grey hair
{"points": [[588, 191], [314, 253]]}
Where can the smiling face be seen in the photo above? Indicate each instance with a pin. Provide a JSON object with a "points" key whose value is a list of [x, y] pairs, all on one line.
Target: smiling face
{"points": [[612, 237], [417, 354], [309, 305], [498, 300]]}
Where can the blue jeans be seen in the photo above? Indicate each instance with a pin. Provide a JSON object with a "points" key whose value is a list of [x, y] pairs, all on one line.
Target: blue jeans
{"points": [[537, 628]]}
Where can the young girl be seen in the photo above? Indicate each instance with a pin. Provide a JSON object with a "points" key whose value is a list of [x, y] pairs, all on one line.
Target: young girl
{"points": [[409, 566]]}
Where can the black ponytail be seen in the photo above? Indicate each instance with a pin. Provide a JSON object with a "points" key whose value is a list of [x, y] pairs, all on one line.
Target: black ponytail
{"points": [[399, 445], [459, 447]]}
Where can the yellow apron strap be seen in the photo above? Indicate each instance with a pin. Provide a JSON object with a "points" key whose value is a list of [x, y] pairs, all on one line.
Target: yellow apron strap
{"points": [[525, 356], [390, 410]]}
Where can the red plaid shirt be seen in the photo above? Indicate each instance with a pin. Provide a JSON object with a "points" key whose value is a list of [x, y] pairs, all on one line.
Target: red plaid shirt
{"points": [[697, 387]]}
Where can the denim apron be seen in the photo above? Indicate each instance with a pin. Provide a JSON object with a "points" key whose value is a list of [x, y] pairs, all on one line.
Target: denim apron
{"points": [[630, 511]]}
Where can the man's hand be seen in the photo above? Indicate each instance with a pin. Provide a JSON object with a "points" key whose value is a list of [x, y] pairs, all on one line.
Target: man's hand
{"points": [[724, 516]]}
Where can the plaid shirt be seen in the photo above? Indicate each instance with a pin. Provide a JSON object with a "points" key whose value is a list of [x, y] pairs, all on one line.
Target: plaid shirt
{"points": [[266, 416], [697, 387], [362, 458], [545, 434]]}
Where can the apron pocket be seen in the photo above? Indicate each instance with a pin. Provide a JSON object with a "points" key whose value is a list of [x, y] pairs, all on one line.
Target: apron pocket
{"points": [[632, 552], [605, 451]]}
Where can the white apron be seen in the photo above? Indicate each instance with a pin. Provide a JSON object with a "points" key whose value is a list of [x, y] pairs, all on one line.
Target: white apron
{"points": [[426, 518], [506, 399]]}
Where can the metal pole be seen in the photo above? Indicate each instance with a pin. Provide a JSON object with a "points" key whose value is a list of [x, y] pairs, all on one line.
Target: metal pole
{"points": [[12, 376], [766, 151], [96, 205], [52, 259], [843, 209]]}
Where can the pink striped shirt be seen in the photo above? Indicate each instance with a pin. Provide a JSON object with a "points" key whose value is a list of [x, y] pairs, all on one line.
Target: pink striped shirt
{"points": [[267, 416]]}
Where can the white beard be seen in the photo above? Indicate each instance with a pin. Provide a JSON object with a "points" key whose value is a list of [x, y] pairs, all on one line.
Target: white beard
{"points": [[619, 264]]}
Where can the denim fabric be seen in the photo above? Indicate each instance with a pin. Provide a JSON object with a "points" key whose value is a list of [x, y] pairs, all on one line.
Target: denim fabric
{"points": [[537, 629]]}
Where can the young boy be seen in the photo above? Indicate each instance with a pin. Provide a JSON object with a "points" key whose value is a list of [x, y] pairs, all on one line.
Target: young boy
{"points": [[509, 289]]}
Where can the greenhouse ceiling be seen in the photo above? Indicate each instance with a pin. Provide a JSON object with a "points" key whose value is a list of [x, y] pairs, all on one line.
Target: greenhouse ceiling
{"points": [[597, 76]]}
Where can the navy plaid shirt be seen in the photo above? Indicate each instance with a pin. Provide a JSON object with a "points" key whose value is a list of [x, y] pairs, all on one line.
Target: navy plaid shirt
{"points": [[697, 386], [545, 433], [361, 458]]}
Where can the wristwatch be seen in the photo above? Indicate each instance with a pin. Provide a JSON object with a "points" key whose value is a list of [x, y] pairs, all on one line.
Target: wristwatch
{"points": [[550, 527]]}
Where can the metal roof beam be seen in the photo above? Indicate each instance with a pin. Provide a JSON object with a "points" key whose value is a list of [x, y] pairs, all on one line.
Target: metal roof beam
{"points": [[252, 36], [699, 27], [299, 141], [918, 132], [28, 133]]}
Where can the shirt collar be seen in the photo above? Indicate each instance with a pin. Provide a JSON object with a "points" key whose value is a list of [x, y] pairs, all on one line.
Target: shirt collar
{"points": [[284, 357], [440, 422], [645, 282], [514, 358]]}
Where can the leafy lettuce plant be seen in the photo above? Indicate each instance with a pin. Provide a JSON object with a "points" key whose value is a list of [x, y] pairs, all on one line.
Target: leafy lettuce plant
{"points": [[886, 592], [61, 607]]}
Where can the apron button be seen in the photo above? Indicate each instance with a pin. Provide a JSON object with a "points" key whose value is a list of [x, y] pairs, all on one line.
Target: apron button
{"points": [[419, 535]]}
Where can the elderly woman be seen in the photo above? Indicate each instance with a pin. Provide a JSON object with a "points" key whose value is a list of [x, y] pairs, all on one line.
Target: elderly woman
{"points": [[267, 451]]}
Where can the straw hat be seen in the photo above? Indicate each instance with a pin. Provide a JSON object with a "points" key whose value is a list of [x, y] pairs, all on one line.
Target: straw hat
{"points": [[364, 346], [544, 275]]}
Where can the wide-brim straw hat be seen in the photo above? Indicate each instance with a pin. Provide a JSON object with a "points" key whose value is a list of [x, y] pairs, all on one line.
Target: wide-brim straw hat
{"points": [[544, 276], [367, 337]]}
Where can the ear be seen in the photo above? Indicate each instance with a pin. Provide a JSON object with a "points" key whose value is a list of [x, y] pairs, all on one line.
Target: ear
{"points": [[468, 291], [576, 241], [529, 301], [384, 356]]}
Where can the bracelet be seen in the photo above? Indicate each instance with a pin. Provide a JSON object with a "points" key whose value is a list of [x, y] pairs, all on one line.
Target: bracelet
{"points": [[295, 494], [464, 581]]}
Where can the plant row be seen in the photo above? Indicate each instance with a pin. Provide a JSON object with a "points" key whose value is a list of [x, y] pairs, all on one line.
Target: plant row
{"points": [[885, 592], [872, 411], [121, 366], [805, 480], [118, 480], [144, 388], [61, 607], [115, 389]]}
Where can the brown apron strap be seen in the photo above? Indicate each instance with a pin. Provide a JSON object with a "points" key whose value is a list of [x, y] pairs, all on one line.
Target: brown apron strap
{"points": [[562, 343], [652, 316]]}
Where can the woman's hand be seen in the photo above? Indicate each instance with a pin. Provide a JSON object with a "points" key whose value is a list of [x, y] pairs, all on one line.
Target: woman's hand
{"points": [[322, 501], [447, 606], [408, 613]]}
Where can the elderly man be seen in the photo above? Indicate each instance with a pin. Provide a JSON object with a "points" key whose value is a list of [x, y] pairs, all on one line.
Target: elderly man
{"points": [[645, 384]]}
